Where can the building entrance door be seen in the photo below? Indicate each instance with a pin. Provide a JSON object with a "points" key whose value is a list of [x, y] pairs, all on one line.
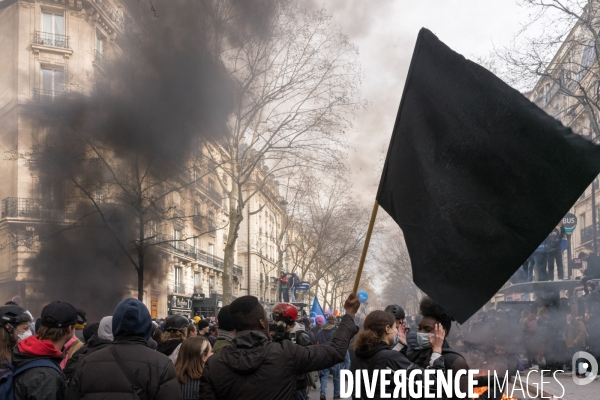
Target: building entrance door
{"points": [[154, 309]]}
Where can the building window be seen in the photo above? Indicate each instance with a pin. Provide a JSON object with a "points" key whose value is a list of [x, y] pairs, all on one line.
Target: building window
{"points": [[195, 245], [179, 280], [99, 44], [176, 238], [53, 23], [582, 221], [211, 221], [53, 82], [211, 252], [52, 30], [211, 283], [197, 280]]}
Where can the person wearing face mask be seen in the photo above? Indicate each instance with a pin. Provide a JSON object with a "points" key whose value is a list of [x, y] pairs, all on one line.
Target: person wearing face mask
{"points": [[434, 315], [373, 348], [12, 320]]}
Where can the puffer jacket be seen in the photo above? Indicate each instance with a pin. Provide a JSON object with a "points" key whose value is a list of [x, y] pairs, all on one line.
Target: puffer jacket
{"points": [[42, 382], [94, 344], [258, 369], [98, 375], [382, 357]]}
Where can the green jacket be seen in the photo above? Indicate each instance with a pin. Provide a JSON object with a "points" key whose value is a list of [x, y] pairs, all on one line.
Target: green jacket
{"points": [[224, 339]]}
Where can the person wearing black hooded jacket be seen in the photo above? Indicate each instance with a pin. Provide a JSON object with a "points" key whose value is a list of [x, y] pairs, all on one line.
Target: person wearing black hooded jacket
{"points": [[258, 369], [101, 377], [433, 314], [373, 350]]}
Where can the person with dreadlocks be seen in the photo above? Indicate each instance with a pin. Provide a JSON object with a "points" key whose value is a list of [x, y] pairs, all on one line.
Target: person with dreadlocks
{"points": [[434, 314]]}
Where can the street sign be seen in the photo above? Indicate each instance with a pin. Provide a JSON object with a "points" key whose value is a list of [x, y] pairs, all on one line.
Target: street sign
{"points": [[577, 262], [569, 222], [303, 286]]}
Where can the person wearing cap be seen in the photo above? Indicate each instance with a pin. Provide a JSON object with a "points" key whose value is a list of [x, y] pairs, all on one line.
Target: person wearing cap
{"points": [[99, 338], [226, 333], [57, 327], [80, 325], [128, 365]]}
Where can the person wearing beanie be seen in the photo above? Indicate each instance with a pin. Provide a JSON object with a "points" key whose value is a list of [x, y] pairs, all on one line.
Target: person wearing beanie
{"points": [[152, 374], [226, 330], [204, 330], [319, 321], [257, 368]]}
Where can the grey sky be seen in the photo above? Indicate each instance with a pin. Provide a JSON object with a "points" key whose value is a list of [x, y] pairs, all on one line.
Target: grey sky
{"points": [[385, 32]]}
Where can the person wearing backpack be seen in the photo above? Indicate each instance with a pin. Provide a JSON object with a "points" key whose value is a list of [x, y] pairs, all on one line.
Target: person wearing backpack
{"points": [[128, 369], [12, 318], [37, 359]]}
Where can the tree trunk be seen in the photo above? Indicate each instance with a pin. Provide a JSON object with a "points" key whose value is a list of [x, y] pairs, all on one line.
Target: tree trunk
{"points": [[141, 253], [235, 219]]}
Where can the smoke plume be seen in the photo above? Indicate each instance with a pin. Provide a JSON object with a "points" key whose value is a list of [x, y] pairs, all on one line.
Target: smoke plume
{"points": [[160, 89]]}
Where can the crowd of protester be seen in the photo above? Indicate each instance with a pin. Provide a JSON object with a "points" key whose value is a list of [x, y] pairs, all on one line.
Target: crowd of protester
{"points": [[243, 354], [544, 334]]}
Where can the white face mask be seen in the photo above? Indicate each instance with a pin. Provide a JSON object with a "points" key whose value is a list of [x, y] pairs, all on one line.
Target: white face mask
{"points": [[24, 335]]}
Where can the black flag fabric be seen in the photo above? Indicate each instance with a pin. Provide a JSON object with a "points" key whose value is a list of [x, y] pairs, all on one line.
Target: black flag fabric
{"points": [[476, 176]]}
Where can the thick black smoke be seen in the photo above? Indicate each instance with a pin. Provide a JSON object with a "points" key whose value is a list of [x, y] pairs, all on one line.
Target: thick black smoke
{"points": [[160, 89]]}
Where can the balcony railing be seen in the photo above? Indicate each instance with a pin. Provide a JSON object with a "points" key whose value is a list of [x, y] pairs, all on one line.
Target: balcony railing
{"points": [[42, 95], [51, 39], [211, 193], [99, 57], [587, 233], [178, 287], [17, 207], [198, 222], [184, 248]]}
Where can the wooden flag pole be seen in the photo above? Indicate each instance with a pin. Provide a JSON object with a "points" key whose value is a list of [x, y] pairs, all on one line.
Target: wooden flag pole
{"points": [[365, 247]]}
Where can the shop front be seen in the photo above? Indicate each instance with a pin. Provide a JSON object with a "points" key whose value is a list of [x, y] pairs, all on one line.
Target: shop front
{"points": [[180, 305], [206, 306]]}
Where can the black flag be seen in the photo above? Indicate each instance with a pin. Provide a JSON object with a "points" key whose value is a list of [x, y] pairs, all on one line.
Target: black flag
{"points": [[476, 176]]}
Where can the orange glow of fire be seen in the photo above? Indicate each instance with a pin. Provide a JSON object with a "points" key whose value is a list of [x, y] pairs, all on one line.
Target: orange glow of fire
{"points": [[481, 390]]}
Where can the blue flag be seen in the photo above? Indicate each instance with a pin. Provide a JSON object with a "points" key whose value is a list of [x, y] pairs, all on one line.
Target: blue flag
{"points": [[316, 310]]}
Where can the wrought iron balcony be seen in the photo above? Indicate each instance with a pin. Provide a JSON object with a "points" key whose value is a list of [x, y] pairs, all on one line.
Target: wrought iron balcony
{"points": [[99, 58], [198, 222], [42, 95], [182, 247], [210, 192], [587, 233], [51, 39], [17, 207], [178, 287]]}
